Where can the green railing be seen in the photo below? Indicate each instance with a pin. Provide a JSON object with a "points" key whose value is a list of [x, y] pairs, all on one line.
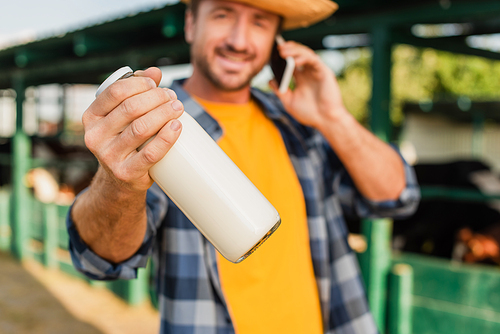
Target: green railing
{"points": [[48, 244], [418, 294], [5, 219], [453, 297], [407, 293], [456, 194]]}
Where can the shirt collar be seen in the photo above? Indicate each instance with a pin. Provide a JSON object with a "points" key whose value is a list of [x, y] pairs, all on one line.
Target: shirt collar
{"points": [[269, 102]]}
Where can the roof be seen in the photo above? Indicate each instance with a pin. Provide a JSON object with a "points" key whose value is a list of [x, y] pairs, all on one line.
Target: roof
{"points": [[155, 37]]}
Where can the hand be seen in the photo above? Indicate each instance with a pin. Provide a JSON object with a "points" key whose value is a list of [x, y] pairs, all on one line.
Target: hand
{"points": [[316, 95], [125, 116], [316, 101]]}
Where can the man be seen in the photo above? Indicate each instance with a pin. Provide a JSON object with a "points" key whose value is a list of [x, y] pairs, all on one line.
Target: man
{"points": [[304, 279]]}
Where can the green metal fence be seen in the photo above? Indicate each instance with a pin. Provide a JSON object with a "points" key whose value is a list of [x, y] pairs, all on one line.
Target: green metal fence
{"points": [[48, 244], [5, 229], [453, 298], [407, 293], [418, 294]]}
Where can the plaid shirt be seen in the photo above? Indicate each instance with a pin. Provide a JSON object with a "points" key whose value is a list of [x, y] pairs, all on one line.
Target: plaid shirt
{"points": [[190, 294]]}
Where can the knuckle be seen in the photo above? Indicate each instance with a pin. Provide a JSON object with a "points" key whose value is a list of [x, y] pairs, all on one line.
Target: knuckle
{"points": [[121, 174], [89, 140], [122, 171], [172, 95], [85, 118], [106, 158], [117, 92], [148, 83], [150, 155], [166, 140], [139, 128], [162, 95], [130, 107]]}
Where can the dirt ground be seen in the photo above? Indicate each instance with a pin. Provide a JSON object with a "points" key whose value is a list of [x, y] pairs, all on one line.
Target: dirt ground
{"points": [[34, 299]]}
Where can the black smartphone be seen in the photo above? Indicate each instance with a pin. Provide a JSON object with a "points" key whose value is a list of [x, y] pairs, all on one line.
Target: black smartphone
{"points": [[282, 68]]}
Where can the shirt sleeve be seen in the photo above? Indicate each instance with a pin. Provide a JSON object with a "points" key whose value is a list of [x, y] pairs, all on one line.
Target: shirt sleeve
{"points": [[95, 267], [356, 205]]}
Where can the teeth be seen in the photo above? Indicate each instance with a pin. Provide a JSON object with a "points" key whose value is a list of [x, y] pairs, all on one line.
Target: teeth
{"points": [[234, 58]]}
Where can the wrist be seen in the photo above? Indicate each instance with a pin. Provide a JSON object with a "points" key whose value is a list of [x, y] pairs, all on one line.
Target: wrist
{"points": [[343, 132], [337, 117], [111, 189]]}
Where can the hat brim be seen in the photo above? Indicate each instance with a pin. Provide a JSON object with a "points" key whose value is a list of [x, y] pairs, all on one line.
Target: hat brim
{"points": [[295, 13]]}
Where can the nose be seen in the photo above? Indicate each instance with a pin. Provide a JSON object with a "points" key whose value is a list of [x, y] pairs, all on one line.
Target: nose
{"points": [[238, 37]]}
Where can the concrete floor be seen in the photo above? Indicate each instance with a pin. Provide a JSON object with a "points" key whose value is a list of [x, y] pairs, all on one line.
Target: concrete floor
{"points": [[36, 300]]}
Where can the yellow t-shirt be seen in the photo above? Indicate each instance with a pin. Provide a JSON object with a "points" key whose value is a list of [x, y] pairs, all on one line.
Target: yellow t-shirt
{"points": [[274, 289]]}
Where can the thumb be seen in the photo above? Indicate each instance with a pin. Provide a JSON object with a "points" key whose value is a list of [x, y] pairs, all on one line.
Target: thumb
{"points": [[284, 97], [274, 86], [152, 72]]}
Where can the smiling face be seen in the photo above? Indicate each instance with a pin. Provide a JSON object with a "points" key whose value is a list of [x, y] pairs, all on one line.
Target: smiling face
{"points": [[230, 42]]}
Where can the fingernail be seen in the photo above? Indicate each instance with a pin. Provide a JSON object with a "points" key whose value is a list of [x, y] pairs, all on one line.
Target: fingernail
{"points": [[175, 125], [171, 93], [177, 105]]}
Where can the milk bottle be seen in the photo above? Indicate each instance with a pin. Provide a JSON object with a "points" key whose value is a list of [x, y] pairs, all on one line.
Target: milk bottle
{"points": [[211, 190]]}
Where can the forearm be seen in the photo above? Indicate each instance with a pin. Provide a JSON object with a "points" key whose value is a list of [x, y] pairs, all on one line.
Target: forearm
{"points": [[376, 169], [110, 219]]}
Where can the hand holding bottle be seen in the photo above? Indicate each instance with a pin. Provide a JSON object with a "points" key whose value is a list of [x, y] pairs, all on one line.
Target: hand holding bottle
{"points": [[123, 117]]}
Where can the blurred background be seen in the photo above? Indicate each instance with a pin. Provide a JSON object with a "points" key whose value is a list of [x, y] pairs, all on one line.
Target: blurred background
{"points": [[423, 75]]}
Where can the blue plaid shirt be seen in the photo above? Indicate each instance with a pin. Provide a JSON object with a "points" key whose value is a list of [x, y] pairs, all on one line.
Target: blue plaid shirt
{"points": [[189, 290]]}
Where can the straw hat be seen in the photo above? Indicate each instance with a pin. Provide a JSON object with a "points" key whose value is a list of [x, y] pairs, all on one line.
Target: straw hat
{"points": [[295, 13]]}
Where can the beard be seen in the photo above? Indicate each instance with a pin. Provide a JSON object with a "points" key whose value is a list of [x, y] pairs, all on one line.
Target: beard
{"points": [[228, 82]]}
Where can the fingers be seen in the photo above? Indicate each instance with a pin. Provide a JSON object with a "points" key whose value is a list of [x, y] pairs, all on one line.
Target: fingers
{"points": [[136, 106], [132, 122], [133, 171], [152, 72], [119, 91], [124, 116], [138, 131], [130, 166], [294, 49], [284, 97], [156, 149], [302, 55], [274, 85]]}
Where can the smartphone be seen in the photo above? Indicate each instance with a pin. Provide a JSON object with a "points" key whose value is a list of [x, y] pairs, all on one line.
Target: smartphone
{"points": [[282, 68]]}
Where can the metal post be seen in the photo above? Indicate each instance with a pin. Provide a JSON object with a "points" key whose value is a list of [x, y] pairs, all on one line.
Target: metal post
{"points": [[375, 264], [477, 135], [400, 299], [5, 231], [50, 235], [138, 288], [21, 150], [380, 120]]}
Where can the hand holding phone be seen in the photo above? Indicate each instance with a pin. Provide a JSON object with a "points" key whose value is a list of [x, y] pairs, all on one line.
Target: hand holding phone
{"points": [[282, 68]]}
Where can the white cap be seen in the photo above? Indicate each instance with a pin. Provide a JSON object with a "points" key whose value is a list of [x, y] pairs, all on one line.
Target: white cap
{"points": [[121, 73]]}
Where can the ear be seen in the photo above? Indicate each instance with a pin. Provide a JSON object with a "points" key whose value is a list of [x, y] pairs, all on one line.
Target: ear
{"points": [[188, 27]]}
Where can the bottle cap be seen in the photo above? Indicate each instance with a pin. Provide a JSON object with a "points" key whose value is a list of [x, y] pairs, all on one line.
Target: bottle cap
{"points": [[121, 73]]}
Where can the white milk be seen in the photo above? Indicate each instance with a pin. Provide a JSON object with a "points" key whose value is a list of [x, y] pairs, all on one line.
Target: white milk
{"points": [[214, 194], [211, 190]]}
